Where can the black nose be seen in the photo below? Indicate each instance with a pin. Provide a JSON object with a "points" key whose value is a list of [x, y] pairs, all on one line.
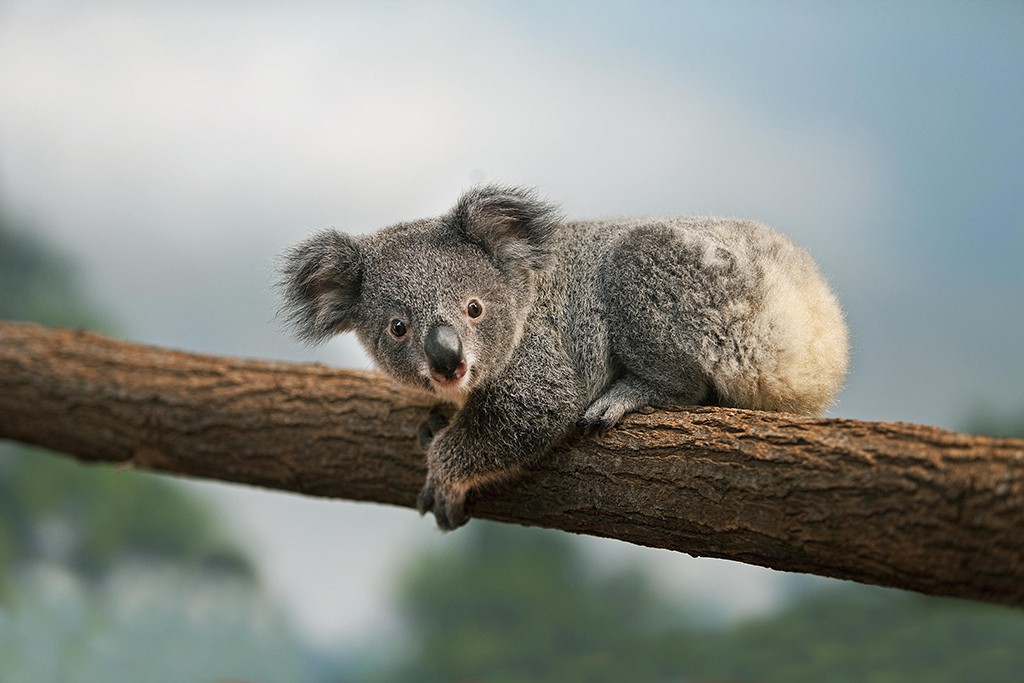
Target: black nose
{"points": [[444, 351]]}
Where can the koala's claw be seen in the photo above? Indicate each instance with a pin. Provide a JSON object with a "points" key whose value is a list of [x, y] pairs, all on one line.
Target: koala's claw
{"points": [[449, 511], [450, 517], [425, 502]]}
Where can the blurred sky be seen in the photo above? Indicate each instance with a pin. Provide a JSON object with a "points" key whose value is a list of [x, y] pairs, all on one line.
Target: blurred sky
{"points": [[175, 148]]}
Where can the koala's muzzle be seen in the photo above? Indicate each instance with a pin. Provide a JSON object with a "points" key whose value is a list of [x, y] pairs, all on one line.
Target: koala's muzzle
{"points": [[444, 354]]}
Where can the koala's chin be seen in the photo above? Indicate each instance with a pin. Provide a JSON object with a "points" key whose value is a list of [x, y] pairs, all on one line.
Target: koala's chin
{"points": [[456, 394]]}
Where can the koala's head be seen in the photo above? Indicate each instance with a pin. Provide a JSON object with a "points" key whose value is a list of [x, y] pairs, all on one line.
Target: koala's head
{"points": [[439, 303]]}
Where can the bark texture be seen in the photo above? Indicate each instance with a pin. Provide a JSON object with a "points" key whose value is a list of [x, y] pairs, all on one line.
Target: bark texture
{"points": [[894, 504]]}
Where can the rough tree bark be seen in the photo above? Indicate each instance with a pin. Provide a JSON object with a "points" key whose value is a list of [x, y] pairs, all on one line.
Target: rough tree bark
{"points": [[894, 504]]}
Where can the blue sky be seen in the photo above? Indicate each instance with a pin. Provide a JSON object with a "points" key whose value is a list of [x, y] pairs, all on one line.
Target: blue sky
{"points": [[174, 148]]}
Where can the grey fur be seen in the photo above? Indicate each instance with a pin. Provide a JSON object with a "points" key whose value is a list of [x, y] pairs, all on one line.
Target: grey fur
{"points": [[582, 322]]}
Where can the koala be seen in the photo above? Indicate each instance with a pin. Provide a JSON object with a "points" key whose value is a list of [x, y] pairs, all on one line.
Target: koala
{"points": [[534, 326]]}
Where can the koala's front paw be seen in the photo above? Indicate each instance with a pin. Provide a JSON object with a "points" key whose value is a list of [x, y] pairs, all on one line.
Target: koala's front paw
{"points": [[447, 504], [437, 420]]}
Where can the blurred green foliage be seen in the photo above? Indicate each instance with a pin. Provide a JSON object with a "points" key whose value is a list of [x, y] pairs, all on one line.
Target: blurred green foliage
{"points": [[87, 518], [513, 604], [90, 519], [112, 574], [991, 422], [40, 284]]}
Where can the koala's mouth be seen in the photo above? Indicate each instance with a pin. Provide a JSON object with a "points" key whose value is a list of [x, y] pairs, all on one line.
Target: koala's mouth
{"points": [[454, 383], [451, 382], [450, 375]]}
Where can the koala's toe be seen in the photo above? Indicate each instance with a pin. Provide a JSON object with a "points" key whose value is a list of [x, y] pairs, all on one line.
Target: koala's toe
{"points": [[425, 502], [587, 426], [437, 419], [451, 515], [612, 416], [591, 420], [425, 435], [601, 417]]}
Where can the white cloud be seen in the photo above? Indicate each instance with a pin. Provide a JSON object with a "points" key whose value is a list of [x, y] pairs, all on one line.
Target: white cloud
{"points": [[351, 107]]}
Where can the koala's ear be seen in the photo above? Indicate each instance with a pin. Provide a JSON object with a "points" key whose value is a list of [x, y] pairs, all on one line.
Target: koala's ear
{"points": [[320, 284], [511, 224]]}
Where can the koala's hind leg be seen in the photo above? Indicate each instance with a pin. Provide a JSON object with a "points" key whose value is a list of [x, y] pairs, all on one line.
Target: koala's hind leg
{"points": [[625, 395]]}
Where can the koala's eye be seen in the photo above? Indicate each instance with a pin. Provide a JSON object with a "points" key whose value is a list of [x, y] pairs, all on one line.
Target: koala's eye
{"points": [[397, 328], [474, 309]]}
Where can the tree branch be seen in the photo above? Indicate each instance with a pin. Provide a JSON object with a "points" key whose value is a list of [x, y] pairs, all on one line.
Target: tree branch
{"points": [[894, 504]]}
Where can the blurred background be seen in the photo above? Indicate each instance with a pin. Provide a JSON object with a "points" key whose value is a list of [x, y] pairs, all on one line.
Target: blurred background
{"points": [[154, 157]]}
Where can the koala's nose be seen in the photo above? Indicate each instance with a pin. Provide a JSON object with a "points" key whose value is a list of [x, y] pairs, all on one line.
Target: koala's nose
{"points": [[444, 353]]}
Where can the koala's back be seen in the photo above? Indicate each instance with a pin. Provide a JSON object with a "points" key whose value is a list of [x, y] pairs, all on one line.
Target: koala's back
{"points": [[572, 301], [680, 301]]}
